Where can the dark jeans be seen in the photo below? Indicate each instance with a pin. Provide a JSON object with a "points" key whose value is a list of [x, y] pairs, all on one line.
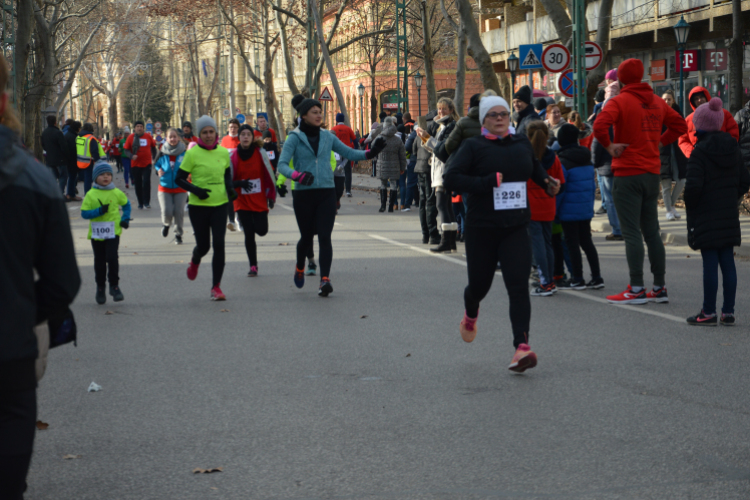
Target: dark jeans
{"points": [[577, 236], [315, 210], [142, 181], [427, 207], [253, 223], [348, 177], [635, 199], [106, 261], [541, 246], [72, 180], [126, 169], [562, 258], [412, 186], [339, 182], [712, 259], [61, 174], [17, 428], [510, 246], [444, 206], [208, 222], [87, 180], [460, 211]]}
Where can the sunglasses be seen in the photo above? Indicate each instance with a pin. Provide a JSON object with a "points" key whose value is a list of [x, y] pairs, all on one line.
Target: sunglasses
{"points": [[501, 114]]}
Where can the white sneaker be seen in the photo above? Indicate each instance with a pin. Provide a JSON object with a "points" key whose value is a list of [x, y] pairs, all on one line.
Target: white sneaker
{"points": [[406, 209], [348, 195], [676, 215], [670, 216], [231, 227]]}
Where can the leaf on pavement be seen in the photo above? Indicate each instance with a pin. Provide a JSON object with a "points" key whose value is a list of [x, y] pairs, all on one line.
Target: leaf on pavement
{"points": [[687, 256], [363, 316], [41, 425], [108, 313], [198, 470], [224, 310], [71, 457], [725, 344], [408, 355]]}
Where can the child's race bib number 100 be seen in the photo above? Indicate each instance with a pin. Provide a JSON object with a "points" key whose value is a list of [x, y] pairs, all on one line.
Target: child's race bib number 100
{"points": [[510, 196], [103, 230]]}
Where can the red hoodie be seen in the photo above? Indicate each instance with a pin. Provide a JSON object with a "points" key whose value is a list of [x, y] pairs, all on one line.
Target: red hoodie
{"points": [[542, 205], [637, 115], [687, 141]]}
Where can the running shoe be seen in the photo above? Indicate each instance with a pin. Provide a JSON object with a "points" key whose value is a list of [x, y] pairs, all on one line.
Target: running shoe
{"points": [[148, 206], [659, 296], [553, 287], [325, 287], [468, 328], [192, 271], [574, 285], [101, 298], [127, 186], [140, 207], [601, 210], [596, 283], [165, 231], [406, 209], [231, 226], [299, 277], [253, 272], [703, 319], [217, 294], [542, 291], [727, 319], [629, 297], [178, 240], [116, 293], [348, 195], [311, 268], [523, 359], [614, 237]]}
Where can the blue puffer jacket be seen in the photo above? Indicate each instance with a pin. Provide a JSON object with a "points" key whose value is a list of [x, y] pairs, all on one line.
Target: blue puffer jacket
{"points": [[298, 148], [167, 180], [577, 201]]}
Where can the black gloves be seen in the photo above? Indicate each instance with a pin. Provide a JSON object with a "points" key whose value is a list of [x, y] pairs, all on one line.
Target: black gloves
{"points": [[244, 184], [376, 147], [124, 224], [304, 178], [201, 193], [103, 209], [271, 203], [282, 190]]}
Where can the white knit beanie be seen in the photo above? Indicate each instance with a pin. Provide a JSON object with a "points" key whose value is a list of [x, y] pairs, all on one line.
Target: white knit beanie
{"points": [[205, 121], [489, 102]]}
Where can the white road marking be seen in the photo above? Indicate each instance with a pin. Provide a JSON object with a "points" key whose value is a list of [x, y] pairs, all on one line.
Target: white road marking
{"points": [[574, 293], [285, 207], [73, 207]]}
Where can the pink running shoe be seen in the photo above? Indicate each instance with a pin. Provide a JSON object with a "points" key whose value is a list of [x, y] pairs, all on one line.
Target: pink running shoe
{"points": [[192, 271], [523, 359], [217, 294], [468, 328]]}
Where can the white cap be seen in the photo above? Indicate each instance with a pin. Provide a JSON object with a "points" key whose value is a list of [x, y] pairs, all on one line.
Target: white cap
{"points": [[488, 103]]}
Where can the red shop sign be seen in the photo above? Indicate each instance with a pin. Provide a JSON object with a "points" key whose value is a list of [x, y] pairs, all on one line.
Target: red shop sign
{"points": [[690, 60], [716, 59]]}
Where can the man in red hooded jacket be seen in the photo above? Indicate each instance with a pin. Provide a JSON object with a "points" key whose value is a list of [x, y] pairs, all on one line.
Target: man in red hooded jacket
{"points": [[638, 116], [698, 96]]}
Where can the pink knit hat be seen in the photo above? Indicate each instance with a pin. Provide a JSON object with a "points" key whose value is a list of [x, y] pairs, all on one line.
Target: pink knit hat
{"points": [[709, 117], [611, 75]]}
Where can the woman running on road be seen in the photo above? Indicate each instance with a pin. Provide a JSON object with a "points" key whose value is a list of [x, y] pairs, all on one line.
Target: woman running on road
{"points": [[493, 170], [210, 191], [315, 194], [172, 198]]}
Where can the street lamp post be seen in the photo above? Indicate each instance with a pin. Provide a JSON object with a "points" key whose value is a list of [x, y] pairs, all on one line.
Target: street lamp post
{"points": [[512, 67], [361, 92], [681, 30], [418, 83]]}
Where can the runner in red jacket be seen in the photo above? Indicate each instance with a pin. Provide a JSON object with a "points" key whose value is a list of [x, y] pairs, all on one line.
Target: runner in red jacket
{"points": [[698, 96]]}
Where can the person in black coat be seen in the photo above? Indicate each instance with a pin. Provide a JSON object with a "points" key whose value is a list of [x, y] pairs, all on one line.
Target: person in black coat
{"points": [[524, 111], [716, 179], [72, 161], [673, 168], [56, 151]]}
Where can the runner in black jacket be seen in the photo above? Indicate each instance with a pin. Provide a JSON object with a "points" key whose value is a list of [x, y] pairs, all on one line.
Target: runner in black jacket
{"points": [[492, 170]]}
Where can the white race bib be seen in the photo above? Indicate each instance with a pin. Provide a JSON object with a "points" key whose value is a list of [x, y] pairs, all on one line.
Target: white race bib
{"points": [[144, 143], [510, 196], [254, 187], [271, 154], [103, 230]]}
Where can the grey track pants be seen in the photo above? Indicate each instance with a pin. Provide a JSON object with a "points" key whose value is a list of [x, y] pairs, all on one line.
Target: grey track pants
{"points": [[173, 208]]}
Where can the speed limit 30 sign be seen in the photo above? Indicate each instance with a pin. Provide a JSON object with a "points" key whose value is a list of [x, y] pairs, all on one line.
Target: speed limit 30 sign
{"points": [[555, 58]]}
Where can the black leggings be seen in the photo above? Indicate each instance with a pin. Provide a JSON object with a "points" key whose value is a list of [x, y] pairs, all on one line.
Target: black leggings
{"points": [[484, 248], [142, 182], [17, 427], [578, 234], [315, 210], [444, 206], [207, 222], [230, 212], [339, 183], [253, 223], [106, 263]]}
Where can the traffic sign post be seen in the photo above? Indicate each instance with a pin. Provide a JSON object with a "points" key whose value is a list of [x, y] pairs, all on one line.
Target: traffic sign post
{"points": [[326, 95], [241, 118], [530, 56], [594, 55], [227, 113], [556, 58], [566, 84]]}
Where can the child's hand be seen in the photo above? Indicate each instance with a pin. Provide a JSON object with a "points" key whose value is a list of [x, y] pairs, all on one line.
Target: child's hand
{"points": [[124, 224], [104, 208]]}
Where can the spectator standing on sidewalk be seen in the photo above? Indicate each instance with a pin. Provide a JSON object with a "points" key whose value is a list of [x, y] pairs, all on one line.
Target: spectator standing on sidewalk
{"points": [[56, 149], [524, 111], [673, 168], [698, 96], [72, 160], [427, 204], [346, 135]]}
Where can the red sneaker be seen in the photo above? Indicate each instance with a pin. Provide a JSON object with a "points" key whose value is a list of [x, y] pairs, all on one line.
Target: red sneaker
{"points": [[468, 328], [523, 359], [217, 294], [629, 297], [192, 271]]}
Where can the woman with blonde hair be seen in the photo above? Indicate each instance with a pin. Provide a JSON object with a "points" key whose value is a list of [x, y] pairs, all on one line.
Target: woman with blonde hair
{"points": [[585, 135]]}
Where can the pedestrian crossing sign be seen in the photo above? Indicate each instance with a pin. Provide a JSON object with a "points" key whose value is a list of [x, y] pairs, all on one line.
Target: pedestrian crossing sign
{"points": [[531, 56]]}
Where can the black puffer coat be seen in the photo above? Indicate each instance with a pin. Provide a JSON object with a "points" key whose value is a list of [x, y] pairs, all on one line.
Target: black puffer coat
{"points": [[743, 122], [666, 153], [716, 179]]}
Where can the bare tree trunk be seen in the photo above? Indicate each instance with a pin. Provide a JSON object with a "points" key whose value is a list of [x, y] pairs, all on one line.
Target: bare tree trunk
{"points": [[428, 59], [112, 110], [475, 47], [459, 98], [373, 100], [285, 51], [329, 65], [269, 93], [602, 38], [735, 58], [561, 20], [24, 29]]}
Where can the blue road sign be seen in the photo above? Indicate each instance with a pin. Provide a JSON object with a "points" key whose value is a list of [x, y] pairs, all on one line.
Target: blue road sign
{"points": [[241, 118], [530, 56], [566, 84], [149, 127]]}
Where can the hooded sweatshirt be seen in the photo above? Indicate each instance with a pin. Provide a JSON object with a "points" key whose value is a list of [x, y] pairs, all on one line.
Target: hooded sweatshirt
{"points": [[541, 204], [637, 115], [687, 141]]}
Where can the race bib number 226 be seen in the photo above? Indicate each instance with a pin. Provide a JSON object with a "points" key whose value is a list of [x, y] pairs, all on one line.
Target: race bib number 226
{"points": [[510, 196]]}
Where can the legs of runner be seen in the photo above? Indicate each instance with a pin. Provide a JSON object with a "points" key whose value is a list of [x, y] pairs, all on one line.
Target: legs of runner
{"points": [[315, 209], [209, 222], [142, 181], [126, 170], [253, 223]]}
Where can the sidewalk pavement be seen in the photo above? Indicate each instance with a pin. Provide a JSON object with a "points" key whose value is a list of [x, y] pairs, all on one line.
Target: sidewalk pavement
{"points": [[675, 231], [364, 182]]}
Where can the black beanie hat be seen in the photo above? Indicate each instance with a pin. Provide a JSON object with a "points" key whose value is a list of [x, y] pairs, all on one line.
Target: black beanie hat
{"points": [[540, 103], [523, 94], [382, 115], [306, 105], [187, 124], [138, 122], [600, 94], [245, 126], [474, 100], [296, 100], [567, 135]]}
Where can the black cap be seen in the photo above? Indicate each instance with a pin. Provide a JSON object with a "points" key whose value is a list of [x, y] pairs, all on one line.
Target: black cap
{"points": [[245, 126], [599, 95], [540, 103], [474, 100], [382, 115], [296, 100], [567, 135], [187, 124], [307, 104], [523, 94], [137, 122]]}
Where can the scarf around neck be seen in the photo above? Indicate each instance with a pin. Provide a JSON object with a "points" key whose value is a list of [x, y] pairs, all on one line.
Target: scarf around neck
{"points": [[167, 150], [109, 186], [136, 143], [492, 137], [246, 153], [202, 144]]}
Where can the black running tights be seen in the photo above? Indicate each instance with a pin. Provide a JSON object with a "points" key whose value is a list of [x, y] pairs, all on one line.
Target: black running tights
{"points": [[106, 263], [208, 222], [253, 223], [315, 210], [578, 234], [510, 246]]}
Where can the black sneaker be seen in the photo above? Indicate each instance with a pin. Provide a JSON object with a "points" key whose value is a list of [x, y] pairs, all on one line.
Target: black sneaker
{"points": [[165, 231], [425, 240], [116, 293], [542, 291], [178, 240], [595, 283], [140, 207], [312, 268], [101, 298], [702, 319], [614, 237], [727, 319], [574, 285], [325, 288]]}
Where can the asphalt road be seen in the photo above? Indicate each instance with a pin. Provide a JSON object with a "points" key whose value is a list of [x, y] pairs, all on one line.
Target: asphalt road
{"points": [[371, 393]]}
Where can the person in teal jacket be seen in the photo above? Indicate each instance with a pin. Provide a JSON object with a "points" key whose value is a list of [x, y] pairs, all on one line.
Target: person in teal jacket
{"points": [[101, 206], [315, 194], [172, 198]]}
